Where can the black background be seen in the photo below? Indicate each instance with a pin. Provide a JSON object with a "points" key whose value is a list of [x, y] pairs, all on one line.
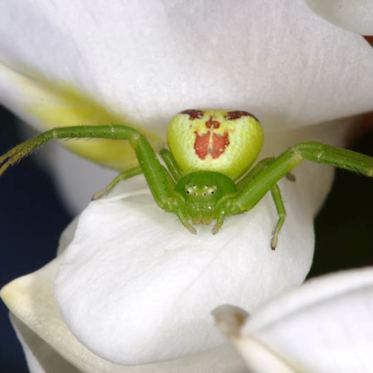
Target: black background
{"points": [[31, 220]]}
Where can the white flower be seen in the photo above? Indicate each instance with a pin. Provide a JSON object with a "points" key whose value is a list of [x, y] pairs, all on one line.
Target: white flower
{"points": [[132, 287], [325, 326]]}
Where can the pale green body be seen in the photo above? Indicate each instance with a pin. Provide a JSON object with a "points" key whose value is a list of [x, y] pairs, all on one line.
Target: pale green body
{"points": [[202, 191], [245, 136], [210, 151]]}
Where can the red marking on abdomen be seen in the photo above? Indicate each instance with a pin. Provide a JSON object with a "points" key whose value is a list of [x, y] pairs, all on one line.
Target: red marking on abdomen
{"points": [[210, 143], [219, 143], [201, 145]]}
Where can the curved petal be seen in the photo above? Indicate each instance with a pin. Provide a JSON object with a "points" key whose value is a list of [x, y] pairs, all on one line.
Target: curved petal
{"points": [[144, 63], [280, 85], [144, 281], [258, 357], [40, 356], [50, 347], [355, 15], [140, 280], [331, 316], [147, 62], [55, 104]]}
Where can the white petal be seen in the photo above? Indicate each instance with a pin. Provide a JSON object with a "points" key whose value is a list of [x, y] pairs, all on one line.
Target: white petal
{"points": [[51, 348], [259, 359], [40, 356], [76, 178], [136, 287], [354, 15], [67, 236], [147, 285], [148, 61], [325, 326], [49, 343]]}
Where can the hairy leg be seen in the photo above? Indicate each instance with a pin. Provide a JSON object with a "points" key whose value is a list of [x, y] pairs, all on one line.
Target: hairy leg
{"points": [[157, 177]]}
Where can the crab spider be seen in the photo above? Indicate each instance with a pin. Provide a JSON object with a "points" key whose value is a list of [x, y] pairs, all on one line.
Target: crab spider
{"points": [[206, 174]]}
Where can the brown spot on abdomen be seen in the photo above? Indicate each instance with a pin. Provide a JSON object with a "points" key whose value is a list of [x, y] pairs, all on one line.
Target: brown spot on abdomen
{"points": [[212, 123], [231, 115], [193, 114]]}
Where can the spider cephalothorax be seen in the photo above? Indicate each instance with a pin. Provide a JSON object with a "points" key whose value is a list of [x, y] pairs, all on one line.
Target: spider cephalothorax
{"points": [[206, 173], [202, 191]]}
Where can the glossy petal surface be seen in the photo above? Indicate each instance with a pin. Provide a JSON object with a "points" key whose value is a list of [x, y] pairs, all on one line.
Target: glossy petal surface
{"points": [[278, 60], [325, 326], [51, 348], [356, 16]]}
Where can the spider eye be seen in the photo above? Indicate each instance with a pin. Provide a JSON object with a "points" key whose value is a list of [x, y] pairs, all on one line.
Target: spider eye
{"points": [[209, 190], [189, 189]]}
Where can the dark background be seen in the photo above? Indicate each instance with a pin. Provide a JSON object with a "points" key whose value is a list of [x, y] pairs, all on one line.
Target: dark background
{"points": [[28, 240]]}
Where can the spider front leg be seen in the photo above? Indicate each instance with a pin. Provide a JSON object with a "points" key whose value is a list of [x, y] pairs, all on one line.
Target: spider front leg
{"points": [[183, 217], [171, 164], [266, 178], [275, 193], [276, 196], [158, 179]]}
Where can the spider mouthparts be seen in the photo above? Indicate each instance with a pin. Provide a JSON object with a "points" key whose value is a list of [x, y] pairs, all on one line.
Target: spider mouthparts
{"points": [[190, 228], [193, 230]]}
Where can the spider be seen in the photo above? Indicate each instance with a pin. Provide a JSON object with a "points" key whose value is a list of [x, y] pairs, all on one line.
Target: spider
{"points": [[206, 174]]}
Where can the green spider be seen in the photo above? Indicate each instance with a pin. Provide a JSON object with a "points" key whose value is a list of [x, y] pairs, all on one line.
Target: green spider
{"points": [[206, 174]]}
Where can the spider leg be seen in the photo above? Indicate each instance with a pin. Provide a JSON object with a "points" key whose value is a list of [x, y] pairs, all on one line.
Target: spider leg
{"points": [[249, 177], [257, 168], [276, 195], [241, 185], [268, 176], [122, 176], [171, 164], [184, 219], [263, 179], [281, 212], [252, 174], [157, 177]]}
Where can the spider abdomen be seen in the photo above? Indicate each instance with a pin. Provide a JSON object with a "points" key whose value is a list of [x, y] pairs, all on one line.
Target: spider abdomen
{"points": [[223, 141]]}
